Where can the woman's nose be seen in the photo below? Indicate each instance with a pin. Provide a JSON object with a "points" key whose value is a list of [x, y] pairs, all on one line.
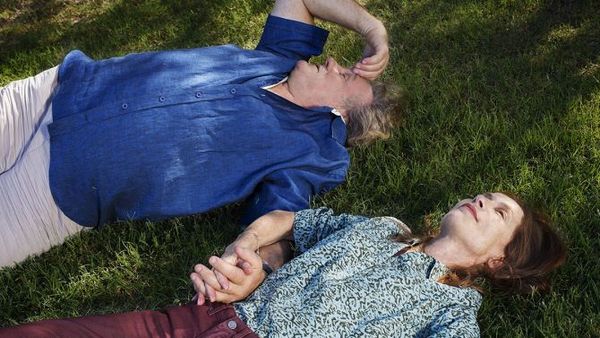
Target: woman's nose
{"points": [[479, 201]]}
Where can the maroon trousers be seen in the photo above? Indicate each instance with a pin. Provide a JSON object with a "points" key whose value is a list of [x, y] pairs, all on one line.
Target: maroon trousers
{"points": [[209, 320]]}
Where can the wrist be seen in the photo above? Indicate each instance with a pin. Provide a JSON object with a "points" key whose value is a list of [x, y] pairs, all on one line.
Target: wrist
{"points": [[373, 27], [267, 268], [249, 240]]}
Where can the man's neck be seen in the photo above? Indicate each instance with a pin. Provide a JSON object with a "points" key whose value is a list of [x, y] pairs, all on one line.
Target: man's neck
{"points": [[283, 90]]}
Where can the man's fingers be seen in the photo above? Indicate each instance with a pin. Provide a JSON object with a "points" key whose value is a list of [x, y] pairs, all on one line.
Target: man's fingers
{"points": [[250, 257], [247, 267], [208, 276], [200, 300], [370, 71], [229, 256], [227, 271], [197, 282], [205, 292], [375, 59], [210, 293], [370, 68], [199, 287], [367, 75], [222, 279], [374, 63]]}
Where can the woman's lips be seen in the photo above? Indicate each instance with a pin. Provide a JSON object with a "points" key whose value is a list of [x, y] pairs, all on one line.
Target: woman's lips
{"points": [[471, 210]]}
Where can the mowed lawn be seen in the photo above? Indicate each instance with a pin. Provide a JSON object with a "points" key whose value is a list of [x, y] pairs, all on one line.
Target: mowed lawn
{"points": [[504, 95]]}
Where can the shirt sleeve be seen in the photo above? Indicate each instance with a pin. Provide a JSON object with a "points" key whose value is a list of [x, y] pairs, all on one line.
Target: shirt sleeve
{"points": [[287, 189], [292, 39], [455, 322], [313, 225]]}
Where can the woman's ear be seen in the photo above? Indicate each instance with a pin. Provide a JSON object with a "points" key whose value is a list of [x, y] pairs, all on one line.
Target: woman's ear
{"points": [[494, 263]]}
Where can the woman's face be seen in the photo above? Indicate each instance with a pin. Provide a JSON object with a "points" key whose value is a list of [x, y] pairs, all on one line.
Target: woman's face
{"points": [[484, 225]]}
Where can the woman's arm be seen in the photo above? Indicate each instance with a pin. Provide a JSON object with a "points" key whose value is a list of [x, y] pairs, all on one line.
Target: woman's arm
{"points": [[459, 320]]}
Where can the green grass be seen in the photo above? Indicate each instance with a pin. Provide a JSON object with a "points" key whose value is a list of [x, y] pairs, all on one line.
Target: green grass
{"points": [[505, 95]]}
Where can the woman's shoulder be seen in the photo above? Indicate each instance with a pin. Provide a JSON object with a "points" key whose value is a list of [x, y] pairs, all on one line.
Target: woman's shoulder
{"points": [[402, 227]]}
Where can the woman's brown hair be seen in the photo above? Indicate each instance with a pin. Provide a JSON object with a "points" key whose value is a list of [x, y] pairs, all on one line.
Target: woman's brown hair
{"points": [[368, 123], [534, 251]]}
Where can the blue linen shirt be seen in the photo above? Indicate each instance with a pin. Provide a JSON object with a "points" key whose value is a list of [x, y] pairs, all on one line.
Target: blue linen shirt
{"points": [[161, 134], [348, 282]]}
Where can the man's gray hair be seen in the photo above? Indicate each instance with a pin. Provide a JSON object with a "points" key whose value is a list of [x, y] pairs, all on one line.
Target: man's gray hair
{"points": [[368, 123]]}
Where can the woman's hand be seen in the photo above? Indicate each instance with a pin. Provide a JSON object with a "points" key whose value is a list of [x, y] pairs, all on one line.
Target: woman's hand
{"points": [[248, 240], [376, 54], [243, 278]]}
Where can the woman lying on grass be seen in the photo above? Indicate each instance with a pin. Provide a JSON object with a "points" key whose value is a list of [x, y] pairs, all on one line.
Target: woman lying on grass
{"points": [[354, 276]]}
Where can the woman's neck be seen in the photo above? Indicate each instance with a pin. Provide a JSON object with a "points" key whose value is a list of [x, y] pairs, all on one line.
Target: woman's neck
{"points": [[449, 253]]}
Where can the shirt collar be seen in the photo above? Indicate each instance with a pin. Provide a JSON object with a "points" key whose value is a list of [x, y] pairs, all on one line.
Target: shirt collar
{"points": [[275, 84], [337, 113], [432, 268]]}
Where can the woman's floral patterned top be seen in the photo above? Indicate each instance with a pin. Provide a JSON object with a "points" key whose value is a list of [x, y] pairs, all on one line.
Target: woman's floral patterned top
{"points": [[349, 282]]}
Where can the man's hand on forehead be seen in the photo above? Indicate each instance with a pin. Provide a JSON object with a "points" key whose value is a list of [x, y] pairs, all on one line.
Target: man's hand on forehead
{"points": [[349, 14], [376, 54]]}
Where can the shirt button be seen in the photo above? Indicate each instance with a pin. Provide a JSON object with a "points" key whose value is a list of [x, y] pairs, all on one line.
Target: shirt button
{"points": [[198, 94], [233, 91], [124, 106], [161, 99], [232, 324]]}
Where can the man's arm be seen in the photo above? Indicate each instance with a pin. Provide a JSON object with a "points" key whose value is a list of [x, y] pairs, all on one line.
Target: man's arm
{"points": [[268, 229], [348, 14], [241, 274]]}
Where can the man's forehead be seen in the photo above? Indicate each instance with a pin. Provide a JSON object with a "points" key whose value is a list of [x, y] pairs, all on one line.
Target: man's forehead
{"points": [[362, 87]]}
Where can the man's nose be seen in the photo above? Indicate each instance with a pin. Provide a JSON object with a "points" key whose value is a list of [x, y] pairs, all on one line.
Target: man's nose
{"points": [[331, 63]]}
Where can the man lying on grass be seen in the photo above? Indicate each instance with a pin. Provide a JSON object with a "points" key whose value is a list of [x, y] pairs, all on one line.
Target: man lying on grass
{"points": [[173, 133], [353, 277]]}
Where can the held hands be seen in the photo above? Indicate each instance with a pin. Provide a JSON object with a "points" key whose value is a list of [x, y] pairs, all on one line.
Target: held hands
{"points": [[247, 240], [376, 53], [243, 278]]}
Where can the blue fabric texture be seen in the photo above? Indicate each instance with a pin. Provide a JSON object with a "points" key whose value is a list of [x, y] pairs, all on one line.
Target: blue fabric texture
{"points": [[170, 133], [348, 282]]}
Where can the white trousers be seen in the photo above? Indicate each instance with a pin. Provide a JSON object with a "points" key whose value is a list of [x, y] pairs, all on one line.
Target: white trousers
{"points": [[30, 220]]}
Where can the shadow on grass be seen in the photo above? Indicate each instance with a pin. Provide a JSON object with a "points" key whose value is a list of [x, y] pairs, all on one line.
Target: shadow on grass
{"points": [[127, 26], [526, 67], [123, 267]]}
